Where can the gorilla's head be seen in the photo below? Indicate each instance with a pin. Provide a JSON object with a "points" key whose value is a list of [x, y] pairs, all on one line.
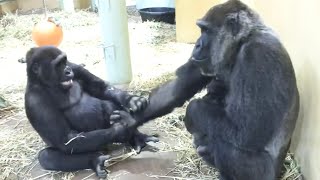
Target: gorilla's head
{"points": [[47, 65], [224, 29]]}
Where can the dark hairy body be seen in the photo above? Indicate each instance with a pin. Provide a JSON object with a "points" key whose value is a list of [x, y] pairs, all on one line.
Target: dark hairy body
{"points": [[243, 125], [77, 113]]}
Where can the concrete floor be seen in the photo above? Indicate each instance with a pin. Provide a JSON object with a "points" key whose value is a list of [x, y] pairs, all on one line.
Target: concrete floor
{"points": [[150, 162]]}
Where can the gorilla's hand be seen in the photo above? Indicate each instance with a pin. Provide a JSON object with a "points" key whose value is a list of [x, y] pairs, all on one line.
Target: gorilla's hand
{"points": [[99, 166], [136, 103], [124, 125], [122, 118]]}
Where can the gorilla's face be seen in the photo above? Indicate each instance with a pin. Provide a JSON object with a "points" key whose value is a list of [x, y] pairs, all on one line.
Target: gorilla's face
{"points": [[222, 30], [201, 54], [63, 71], [48, 65]]}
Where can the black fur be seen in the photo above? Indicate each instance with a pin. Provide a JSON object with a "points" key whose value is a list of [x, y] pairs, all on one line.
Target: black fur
{"points": [[72, 110], [244, 124]]}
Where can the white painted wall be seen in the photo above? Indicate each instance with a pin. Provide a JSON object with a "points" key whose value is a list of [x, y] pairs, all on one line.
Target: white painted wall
{"points": [[154, 3]]}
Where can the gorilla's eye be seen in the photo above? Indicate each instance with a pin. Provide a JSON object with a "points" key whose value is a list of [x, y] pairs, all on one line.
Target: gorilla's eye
{"points": [[205, 30], [62, 63], [60, 66]]}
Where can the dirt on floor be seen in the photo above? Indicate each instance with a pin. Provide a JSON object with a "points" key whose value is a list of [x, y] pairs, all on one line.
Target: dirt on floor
{"points": [[155, 55]]}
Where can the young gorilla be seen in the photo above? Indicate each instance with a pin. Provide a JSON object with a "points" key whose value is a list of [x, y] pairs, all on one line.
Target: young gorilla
{"points": [[72, 110], [244, 124]]}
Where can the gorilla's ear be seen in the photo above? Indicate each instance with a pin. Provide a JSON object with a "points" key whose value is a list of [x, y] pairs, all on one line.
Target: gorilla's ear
{"points": [[233, 24], [35, 68]]}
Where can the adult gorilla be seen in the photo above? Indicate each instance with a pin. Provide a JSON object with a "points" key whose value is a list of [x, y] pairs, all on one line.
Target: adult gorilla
{"points": [[243, 125], [71, 109]]}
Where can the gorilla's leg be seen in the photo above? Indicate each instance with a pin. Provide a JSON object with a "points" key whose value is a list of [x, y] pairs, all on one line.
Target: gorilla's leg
{"points": [[55, 160], [239, 164], [139, 140], [233, 161], [223, 176], [197, 123]]}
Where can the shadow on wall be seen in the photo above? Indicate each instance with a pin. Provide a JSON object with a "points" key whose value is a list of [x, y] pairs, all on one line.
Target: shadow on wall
{"points": [[298, 26], [306, 138]]}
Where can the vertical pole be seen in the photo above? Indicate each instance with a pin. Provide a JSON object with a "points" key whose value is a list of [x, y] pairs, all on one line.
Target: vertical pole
{"points": [[67, 5], [45, 8], [115, 38]]}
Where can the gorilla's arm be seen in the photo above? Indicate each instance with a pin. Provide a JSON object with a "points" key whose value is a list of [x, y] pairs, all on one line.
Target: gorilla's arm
{"points": [[175, 93], [98, 88], [52, 126]]}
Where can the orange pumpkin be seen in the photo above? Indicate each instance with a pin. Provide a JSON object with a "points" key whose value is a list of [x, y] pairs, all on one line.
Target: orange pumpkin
{"points": [[47, 32]]}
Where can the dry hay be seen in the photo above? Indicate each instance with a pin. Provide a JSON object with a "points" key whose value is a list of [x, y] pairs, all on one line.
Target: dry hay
{"points": [[20, 27], [188, 164], [20, 143], [18, 149]]}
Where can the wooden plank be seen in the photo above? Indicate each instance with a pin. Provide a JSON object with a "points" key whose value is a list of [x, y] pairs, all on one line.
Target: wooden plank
{"points": [[82, 4], [187, 13]]}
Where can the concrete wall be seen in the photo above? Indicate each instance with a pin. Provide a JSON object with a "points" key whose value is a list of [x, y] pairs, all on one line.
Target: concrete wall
{"points": [[140, 4], [8, 7], [27, 5], [297, 23]]}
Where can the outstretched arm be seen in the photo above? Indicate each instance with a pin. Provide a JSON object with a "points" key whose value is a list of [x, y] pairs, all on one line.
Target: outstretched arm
{"points": [[175, 93], [98, 88]]}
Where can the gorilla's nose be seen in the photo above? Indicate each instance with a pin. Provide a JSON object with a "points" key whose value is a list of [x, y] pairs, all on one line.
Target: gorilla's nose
{"points": [[68, 72]]}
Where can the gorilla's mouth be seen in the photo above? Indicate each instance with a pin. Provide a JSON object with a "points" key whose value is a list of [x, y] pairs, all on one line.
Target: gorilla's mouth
{"points": [[205, 66], [205, 72], [67, 83], [199, 60]]}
